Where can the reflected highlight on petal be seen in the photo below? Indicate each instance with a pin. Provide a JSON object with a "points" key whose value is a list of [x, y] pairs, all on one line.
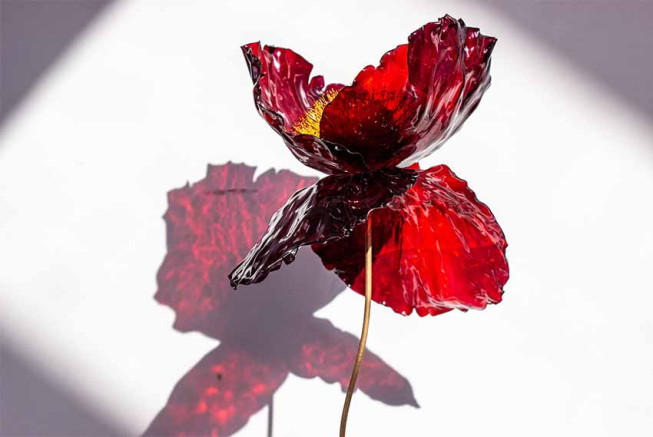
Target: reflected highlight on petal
{"points": [[393, 114], [325, 211], [435, 249]]}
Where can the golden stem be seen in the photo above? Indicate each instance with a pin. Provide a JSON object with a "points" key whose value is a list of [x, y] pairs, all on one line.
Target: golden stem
{"points": [[366, 325]]}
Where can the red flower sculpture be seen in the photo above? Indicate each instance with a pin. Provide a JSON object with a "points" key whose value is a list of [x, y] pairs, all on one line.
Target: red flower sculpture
{"points": [[436, 247]]}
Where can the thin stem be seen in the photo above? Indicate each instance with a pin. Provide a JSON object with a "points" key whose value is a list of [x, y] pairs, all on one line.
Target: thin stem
{"points": [[366, 325], [270, 415]]}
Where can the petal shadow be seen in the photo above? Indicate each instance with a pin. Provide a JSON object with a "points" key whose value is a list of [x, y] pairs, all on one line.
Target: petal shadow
{"points": [[266, 330]]}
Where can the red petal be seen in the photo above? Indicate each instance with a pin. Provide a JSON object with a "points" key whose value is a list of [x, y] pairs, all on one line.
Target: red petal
{"points": [[374, 117], [435, 249], [394, 114], [219, 394], [478, 49], [415, 99], [325, 211], [436, 63], [282, 81], [329, 354], [283, 92], [210, 226]]}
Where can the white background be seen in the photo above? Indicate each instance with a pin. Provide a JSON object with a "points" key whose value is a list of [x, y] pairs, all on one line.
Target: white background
{"points": [[159, 88]]}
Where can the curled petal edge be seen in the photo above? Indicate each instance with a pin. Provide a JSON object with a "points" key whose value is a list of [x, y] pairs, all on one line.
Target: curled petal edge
{"points": [[326, 211]]}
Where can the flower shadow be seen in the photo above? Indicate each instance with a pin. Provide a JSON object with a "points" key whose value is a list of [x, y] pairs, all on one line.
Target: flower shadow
{"points": [[267, 330]]}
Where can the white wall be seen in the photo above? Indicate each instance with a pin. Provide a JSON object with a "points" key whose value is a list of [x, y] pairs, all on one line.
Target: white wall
{"points": [[158, 89]]}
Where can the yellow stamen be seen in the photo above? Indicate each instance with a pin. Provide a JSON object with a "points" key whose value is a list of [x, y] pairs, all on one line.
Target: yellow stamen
{"points": [[309, 124]]}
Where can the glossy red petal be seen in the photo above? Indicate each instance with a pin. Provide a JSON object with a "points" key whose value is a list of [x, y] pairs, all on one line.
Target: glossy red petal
{"points": [[408, 106], [283, 85], [210, 226], [219, 395], [478, 49], [328, 354], [283, 92], [393, 114], [374, 116], [435, 249], [326, 211], [437, 71]]}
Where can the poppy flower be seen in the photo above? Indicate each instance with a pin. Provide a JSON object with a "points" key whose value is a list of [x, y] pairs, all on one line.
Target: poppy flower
{"points": [[436, 246], [210, 225], [391, 115]]}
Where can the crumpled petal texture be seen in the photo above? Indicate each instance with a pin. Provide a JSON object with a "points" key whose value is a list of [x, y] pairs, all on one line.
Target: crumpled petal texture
{"points": [[393, 114], [436, 246], [211, 225], [283, 92], [435, 249], [326, 211], [478, 49]]}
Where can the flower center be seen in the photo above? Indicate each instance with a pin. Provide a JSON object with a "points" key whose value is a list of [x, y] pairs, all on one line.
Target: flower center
{"points": [[309, 124]]}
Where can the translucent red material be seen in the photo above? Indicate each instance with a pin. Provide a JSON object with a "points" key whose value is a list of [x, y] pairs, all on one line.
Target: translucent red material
{"points": [[328, 210], [283, 92], [393, 114], [434, 249], [436, 246]]}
